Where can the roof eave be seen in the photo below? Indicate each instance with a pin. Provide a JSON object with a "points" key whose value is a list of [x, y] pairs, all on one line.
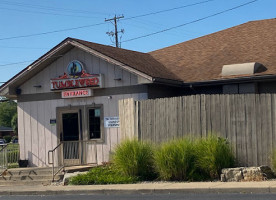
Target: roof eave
{"points": [[256, 78]]}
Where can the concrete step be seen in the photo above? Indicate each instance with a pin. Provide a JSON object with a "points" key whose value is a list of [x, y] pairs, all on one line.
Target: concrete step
{"points": [[28, 171], [25, 182], [30, 177], [35, 175]]}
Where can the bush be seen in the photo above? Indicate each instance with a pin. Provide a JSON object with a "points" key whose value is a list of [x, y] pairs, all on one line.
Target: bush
{"points": [[135, 159], [102, 175], [13, 156], [7, 138], [175, 160], [273, 160], [213, 154]]}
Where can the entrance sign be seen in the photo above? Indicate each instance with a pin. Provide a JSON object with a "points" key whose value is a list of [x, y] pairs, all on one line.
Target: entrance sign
{"points": [[76, 77], [111, 122], [76, 93]]}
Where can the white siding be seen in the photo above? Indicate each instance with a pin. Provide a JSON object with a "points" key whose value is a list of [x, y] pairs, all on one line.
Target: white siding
{"points": [[92, 65], [37, 136]]}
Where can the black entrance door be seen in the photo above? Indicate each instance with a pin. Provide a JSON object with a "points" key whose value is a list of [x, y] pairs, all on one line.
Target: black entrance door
{"points": [[70, 136], [70, 126]]}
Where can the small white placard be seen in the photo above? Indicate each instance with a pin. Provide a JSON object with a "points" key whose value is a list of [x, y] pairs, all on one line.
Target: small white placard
{"points": [[111, 122]]}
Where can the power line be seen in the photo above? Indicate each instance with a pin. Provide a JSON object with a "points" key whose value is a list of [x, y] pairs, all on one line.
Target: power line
{"points": [[91, 25], [191, 22], [167, 10], [49, 32], [48, 7], [15, 63], [45, 13], [18, 47]]}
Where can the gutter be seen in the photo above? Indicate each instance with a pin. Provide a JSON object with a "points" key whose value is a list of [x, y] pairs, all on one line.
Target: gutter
{"points": [[232, 81], [167, 82]]}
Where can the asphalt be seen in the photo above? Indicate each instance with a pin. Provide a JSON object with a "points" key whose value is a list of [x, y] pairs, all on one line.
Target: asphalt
{"points": [[145, 188]]}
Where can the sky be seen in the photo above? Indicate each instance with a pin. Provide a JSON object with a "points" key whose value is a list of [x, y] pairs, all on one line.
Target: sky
{"points": [[29, 28]]}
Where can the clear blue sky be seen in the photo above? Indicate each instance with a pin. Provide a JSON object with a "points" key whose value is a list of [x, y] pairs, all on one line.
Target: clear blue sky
{"points": [[25, 17]]}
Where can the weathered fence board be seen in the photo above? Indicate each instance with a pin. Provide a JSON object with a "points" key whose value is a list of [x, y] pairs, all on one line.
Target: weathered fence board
{"points": [[248, 121]]}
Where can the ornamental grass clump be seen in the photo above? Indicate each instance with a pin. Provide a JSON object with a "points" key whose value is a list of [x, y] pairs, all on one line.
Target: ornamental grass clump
{"points": [[273, 160], [174, 160], [213, 154], [102, 175], [135, 158]]}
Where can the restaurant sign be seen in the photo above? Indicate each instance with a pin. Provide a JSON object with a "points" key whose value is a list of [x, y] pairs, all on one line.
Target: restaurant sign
{"points": [[76, 93], [76, 77]]}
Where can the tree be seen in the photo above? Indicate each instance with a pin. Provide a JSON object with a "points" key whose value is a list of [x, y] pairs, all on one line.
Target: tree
{"points": [[7, 111], [14, 123]]}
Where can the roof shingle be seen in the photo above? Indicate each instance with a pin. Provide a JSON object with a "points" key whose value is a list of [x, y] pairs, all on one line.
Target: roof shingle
{"points": [[202, 59]]}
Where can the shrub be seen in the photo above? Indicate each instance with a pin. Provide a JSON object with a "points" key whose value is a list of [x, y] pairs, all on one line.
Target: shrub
{"points": [[135, 159], [273, 160], [213, 154], [107, 174], [13, 156], [7, 138], [174, 160]]}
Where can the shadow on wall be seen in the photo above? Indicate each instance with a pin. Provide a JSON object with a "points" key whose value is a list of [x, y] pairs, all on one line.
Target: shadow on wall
{"points": [[32, 157]]}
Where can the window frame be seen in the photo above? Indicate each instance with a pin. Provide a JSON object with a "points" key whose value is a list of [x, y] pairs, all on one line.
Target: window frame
{"points": [[96, 106]]}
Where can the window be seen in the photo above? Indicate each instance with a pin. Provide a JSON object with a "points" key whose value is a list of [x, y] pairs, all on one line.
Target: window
{"points": [[94, 123]]}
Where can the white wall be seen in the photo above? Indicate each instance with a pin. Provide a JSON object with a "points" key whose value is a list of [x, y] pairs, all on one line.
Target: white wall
{"points": [[37, 136]]}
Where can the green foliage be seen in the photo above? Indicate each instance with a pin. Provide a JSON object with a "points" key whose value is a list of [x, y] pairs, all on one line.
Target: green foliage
{"points": [[7, 110], [13, 156], [7, 138], [102, 175], [14, 123], [213, 154], [175, 160], [135, 159], [273, 160]]}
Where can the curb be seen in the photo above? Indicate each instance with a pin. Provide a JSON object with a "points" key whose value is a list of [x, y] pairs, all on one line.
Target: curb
{"points": [[248, 190]]}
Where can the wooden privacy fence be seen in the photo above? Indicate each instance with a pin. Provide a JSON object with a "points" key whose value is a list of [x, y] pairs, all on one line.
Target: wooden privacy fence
{"points": [[247, 120]]}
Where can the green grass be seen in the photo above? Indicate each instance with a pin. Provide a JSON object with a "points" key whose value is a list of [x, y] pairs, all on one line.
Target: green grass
{"points": [[135, 159], [12, 153], [213, 154], [175, 160], [102, 175], [273, 160]]}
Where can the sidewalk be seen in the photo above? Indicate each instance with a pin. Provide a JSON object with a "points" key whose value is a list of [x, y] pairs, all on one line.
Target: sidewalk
{"points": [[142, 188]]}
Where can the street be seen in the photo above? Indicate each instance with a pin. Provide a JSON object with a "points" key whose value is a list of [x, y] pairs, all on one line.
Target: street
{"points": [[179, 196]]}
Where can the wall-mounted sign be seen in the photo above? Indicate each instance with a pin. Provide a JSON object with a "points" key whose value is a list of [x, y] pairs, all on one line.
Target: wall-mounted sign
{"points": [[76, 93], [53, 122], [111, 122], [76, 77]]}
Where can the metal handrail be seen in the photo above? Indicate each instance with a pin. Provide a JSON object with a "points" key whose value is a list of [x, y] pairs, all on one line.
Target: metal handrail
{"points": [[52, 163], [70, 155]]}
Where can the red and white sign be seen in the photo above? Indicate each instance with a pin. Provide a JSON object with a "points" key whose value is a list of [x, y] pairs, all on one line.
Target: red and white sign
{"points": [[76, 93], [76, 77], [85, 80]]}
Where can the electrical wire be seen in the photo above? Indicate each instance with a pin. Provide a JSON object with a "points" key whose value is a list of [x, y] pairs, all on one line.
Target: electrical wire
{"points": [[48, 7], [44, 13], [91, 25], [167, 10], [164, 30], [49, 32], [191, 22]]}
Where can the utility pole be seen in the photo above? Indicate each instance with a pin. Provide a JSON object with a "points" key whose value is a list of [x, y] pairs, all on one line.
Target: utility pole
{"points": [[111, 33]]}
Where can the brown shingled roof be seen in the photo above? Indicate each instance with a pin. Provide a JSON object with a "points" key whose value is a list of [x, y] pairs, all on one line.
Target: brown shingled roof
{"points": [[142, 62], [202, 59]]}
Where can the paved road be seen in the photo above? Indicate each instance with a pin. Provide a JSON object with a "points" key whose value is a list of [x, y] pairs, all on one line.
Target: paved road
{"points": [[148, 197]]}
